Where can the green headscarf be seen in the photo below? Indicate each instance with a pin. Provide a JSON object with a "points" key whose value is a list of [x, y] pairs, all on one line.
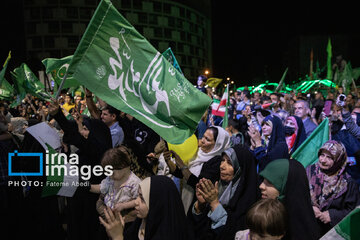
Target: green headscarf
{"points": [[276, 172]]}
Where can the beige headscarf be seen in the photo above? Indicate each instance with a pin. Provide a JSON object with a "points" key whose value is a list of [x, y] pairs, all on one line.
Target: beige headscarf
{"points": [[222, 143]]}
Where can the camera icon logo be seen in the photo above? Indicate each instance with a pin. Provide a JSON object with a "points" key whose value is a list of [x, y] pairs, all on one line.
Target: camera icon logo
{"points": [[25, 164]]}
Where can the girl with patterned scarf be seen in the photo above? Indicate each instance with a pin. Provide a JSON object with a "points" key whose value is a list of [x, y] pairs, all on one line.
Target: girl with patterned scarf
{"points": [[334, 194]]}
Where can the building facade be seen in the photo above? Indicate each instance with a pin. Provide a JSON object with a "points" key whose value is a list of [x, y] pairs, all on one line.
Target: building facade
{"points": [[53, 28]]}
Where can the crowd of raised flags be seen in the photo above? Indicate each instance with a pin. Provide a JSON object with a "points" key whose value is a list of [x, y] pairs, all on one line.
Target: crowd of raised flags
{"points": [[121, 67]]}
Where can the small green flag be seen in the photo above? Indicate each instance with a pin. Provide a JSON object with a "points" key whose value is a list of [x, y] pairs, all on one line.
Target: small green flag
{"points": [[281, 83], [6, 90], [57, 68], [307, 153], [329, 56], [121, 67], [169, 55], [3, 70], [30, 83]]}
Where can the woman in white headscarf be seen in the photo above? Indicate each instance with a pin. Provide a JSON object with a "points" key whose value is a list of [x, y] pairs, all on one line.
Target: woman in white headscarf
{"points": [[206, 164]]}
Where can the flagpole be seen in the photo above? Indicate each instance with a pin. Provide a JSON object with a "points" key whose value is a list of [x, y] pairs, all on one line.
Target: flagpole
{"points": [[61, 85]]}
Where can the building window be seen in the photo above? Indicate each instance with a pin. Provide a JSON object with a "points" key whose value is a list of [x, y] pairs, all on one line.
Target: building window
{"points": [[31, 28], [35, 13], [182, 12], [47, 13], [37, 42], [91, 2], [67, 27], [73, 41], [153, 19], [158, 32], [54, 27], [157, 7], [85, 13], [137, 4], [126, 4], [167, 8], [49, 42], [167, 33], [53, 2], [143, 18], [72, 13]]}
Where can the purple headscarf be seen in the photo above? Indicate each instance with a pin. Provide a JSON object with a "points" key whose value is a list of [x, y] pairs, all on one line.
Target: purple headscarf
{"points": [[327, 185]]}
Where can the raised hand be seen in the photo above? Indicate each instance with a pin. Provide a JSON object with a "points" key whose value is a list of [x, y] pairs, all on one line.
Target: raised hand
{"points": [[114, 224]]}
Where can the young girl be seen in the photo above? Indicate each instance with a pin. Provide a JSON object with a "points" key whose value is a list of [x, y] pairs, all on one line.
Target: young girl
{"points": [[266, 219], [160, 214], [120, 190]]}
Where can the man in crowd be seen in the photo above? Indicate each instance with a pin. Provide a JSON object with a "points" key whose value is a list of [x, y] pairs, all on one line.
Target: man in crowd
{"points": [[302, 110], [109, 115]]}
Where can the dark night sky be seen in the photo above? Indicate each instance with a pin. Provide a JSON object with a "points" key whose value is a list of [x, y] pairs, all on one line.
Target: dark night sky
{"points": [[249, 42], [252, 43]]}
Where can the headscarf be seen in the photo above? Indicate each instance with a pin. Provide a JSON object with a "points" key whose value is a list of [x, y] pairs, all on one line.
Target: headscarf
{"points": [[227, 189], [222, 143], [166, 216], [18, 124], [276, 172], [246, 193], [276, 147], [299, 136], [293, 187], [327, 185]]}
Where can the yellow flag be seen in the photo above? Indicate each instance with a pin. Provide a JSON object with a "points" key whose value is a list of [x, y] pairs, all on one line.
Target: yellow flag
{"points": [[7, 59], [213, 82], [187, 150]]}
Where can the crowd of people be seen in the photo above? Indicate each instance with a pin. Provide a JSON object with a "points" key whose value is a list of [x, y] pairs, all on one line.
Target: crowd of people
{"points": [[242, 183]]}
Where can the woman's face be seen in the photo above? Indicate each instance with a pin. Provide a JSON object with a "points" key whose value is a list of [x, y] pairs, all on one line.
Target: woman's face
{"points": [[84, 132], [289, 123], [326, 160], [140, 206], [266, 129], [226, 169], [268, 190], [207, 141]]}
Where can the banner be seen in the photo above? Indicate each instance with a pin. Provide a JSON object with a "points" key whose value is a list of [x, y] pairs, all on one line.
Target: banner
{"points": [[122, 68]]}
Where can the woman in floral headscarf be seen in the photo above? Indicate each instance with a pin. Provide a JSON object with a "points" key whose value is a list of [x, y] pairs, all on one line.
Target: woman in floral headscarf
{"points": [[333, 193]]}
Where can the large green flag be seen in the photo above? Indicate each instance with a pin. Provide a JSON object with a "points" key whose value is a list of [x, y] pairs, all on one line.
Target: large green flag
{"points": [[57, 68], [2, 73], [27, 81], [329, 56], [307, 153], [122, 68]]}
